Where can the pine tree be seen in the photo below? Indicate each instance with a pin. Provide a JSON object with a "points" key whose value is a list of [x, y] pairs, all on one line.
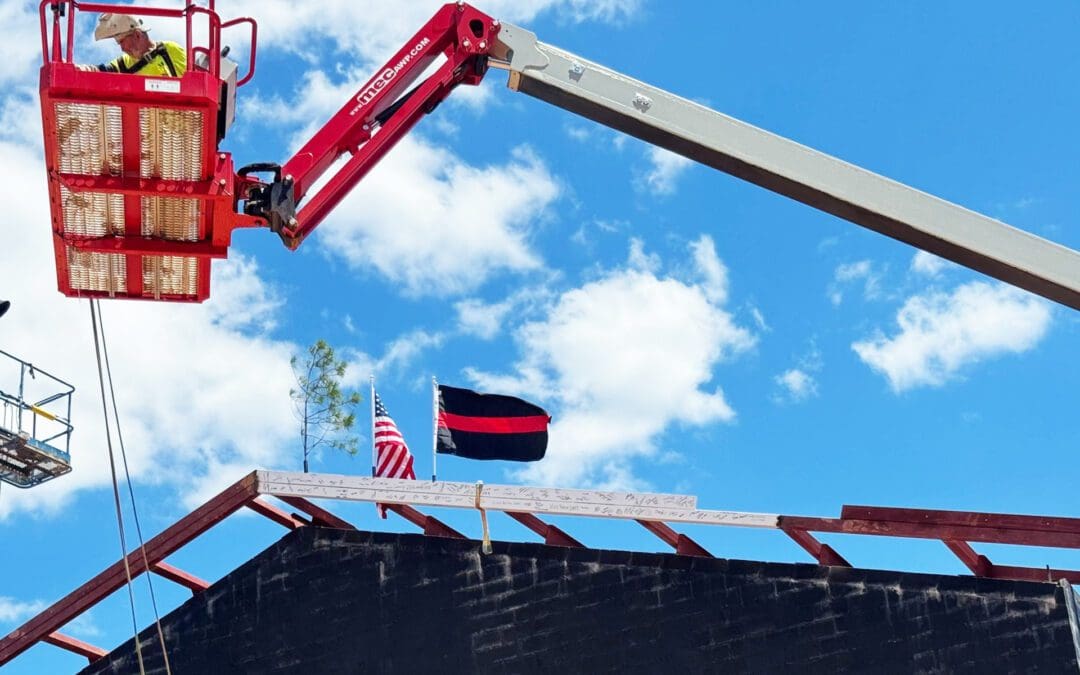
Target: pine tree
{"points": [[323, 407]]}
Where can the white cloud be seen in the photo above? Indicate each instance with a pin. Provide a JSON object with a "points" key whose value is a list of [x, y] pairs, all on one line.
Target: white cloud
{"points": [[928, 264], [759, 319], [641, 260], [241, 299], [665, 169], [84, 627], [583, 236], [396, 358], [20, 116], [799, 385], [22, 46], [404, 349], [588, 10], [484, 320], [827, 243], [618, 477], [578, 133], [17, 611], [711, 268], [314, 100], [621, 359], [1014, 205], [848, 273], [940, 333], [464, 223]]}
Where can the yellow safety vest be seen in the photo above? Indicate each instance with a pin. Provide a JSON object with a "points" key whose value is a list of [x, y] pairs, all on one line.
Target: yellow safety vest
{"points": [[164, 59]]}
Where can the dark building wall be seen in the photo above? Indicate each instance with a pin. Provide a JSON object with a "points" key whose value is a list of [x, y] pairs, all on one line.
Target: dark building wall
{"points": [[331, 601]]}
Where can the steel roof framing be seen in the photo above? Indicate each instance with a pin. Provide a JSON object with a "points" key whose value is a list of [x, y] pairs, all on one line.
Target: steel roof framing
{"points": [[653, 511]]}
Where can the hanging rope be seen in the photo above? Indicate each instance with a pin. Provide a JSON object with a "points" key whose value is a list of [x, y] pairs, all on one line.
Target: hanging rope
{"points": [[5, 424], [10, 428], [486, 545], [131, 494], [115, 484]]}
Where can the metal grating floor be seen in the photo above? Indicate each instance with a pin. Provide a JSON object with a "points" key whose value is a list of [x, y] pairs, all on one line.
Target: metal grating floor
{"points": [[25, 462]]}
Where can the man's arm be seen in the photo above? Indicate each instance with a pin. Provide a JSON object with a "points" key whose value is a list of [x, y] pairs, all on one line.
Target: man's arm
{"points": [[110, 67]]}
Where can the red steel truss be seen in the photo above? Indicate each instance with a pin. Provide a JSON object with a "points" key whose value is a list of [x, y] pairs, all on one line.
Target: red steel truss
{"points": [[954, 528]]}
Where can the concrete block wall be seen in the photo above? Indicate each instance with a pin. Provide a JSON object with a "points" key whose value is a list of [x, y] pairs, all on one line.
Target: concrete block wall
{"points": [[332, 601]]}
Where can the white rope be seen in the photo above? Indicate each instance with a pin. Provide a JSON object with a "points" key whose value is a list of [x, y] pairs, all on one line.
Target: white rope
{"points": [[486, 544]]}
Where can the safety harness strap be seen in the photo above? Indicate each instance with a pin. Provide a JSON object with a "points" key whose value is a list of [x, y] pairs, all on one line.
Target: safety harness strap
{"points": [[117, 66]]}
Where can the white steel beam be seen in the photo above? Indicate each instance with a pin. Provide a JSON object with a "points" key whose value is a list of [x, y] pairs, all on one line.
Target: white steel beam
{"points": [[788, 168], [557, 501]]}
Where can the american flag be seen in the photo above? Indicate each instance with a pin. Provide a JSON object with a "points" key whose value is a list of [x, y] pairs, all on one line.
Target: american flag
{"points": [[393, 459]]}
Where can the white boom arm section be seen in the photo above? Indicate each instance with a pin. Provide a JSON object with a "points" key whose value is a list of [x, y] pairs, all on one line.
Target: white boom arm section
{"points": [[788, 168]]}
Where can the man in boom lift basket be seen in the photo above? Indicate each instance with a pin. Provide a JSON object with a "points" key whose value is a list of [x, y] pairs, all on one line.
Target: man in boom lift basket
{"points": [[141, 56]]}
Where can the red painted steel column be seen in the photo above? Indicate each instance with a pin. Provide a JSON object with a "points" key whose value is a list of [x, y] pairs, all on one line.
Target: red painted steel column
{"points": [[979, 565], [553, 536], [319, 515], [682, 544], [432, 526], [821, 552], [275, 514], [79, 647], [179, 576]]}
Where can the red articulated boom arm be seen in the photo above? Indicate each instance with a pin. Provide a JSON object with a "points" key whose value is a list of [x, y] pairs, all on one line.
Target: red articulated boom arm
{"points": [[373, 121]]}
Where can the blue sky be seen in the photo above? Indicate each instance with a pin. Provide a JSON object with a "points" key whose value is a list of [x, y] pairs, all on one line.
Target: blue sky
{"points": [[689, 332]]}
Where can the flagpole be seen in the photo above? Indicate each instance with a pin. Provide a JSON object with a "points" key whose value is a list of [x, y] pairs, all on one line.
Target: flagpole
{"points": [[373, 460], [434, 427]]}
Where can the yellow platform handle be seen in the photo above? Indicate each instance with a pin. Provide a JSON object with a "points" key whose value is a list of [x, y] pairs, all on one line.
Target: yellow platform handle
{"points": [[44, 413]]}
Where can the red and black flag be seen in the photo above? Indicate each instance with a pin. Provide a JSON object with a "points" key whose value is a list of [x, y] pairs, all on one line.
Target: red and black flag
{"points": [[490, 426]]}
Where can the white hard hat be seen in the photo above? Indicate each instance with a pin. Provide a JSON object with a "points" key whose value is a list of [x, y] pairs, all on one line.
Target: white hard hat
{"points": [[114, 25]]}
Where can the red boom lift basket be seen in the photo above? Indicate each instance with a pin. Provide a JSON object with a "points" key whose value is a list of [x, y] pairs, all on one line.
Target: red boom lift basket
{"points": [[141, 199]]}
